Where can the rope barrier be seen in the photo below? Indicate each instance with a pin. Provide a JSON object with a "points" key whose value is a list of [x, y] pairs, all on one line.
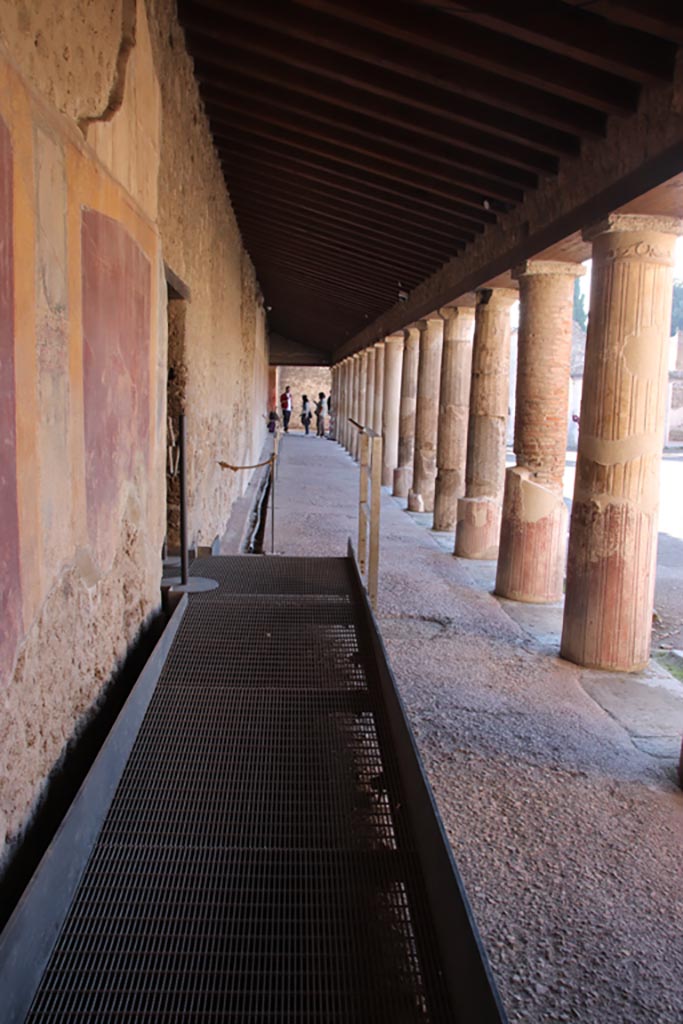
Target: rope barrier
{"points": [[257, 465]]}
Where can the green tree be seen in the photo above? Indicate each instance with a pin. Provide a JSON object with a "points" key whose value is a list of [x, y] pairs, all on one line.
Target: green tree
{"points": [[677, 308], [579, 313]]}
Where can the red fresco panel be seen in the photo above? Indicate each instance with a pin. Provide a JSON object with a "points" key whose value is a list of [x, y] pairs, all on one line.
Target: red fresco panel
{"points": [[10, 580], [116, 319]]}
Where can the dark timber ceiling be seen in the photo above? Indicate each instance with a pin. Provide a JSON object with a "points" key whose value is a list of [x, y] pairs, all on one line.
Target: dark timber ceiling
{"points": [[367, 142]]}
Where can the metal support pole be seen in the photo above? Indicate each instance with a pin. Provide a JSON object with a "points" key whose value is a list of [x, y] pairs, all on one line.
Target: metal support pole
{"points": [[182, 440]]}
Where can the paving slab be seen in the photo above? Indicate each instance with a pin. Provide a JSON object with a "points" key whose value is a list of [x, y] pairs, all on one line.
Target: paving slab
{"points": [[567, 825]]}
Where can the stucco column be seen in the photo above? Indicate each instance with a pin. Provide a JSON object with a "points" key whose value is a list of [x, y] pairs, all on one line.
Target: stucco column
{"points": [[478, 527], [534, 527], [421, 494], [370, 388], [454, 403], [391, 404], [378, 407], [348, 401], [613, 532], [403, 474]]}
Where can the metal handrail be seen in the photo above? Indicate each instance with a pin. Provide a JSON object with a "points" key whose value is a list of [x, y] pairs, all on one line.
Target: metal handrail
{"points": [[370, 456]]}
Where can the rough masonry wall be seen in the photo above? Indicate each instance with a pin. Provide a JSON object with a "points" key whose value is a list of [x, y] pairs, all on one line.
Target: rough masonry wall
{"points": [[89, 218], [80, 269], [225, 334], [304, 380]]}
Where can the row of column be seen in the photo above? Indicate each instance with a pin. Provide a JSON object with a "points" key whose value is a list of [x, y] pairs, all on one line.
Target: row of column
{"points": [[438, 391]]}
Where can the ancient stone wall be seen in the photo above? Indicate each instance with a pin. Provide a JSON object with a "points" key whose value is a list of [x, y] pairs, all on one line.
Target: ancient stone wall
{"points": [[305, 380], [107, 170]]}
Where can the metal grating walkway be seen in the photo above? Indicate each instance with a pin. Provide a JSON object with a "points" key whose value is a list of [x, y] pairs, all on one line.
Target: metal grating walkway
{"points": [[258, 861]]}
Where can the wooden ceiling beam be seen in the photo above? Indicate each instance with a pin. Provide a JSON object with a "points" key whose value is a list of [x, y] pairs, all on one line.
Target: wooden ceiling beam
{"points": [[361, 153], [439, 198], [435, 99], [288, 284], [466, 81], [662, 18], [580, 34], [283, 188], [307, 237], [484, 50], [337, 229], [273, 74], [363, 134], [288, 210], [261, 154], [322, 249], [302, 270]]}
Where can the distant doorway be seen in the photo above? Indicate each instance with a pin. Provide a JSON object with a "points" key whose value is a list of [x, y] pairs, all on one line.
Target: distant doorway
{"points": [[176, 388]]}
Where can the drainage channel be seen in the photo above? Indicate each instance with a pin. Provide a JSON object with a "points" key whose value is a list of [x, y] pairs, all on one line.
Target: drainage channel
{"points": [[271, 851]]}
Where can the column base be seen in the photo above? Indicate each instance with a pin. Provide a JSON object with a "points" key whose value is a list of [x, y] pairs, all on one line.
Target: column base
{"points": [[533, 539], [610, 586], [449, 489], [403, 478], [477, 530], [416, 502]]}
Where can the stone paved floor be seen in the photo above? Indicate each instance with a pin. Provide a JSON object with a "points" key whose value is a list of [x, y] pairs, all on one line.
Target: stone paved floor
{"points": [[556, 785]]}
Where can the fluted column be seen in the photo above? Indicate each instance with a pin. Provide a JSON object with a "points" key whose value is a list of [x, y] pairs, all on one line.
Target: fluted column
{"points": [[533, 533], [613, 532], [478, 527], [403, 474], [341, 405], [379, 388], [370, 388], [454, 403], [421, 494], [391, 405]]}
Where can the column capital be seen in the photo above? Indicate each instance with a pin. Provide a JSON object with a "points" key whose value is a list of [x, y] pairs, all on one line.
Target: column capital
{"points": [[397, 338], [496, 298], [433, 318], [456, 312], [634, 223], [378, 344], [548, 268], [411, 334]]}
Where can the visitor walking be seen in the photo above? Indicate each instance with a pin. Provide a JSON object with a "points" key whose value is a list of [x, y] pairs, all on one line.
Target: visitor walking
{"points": [[306, 414], [321, 414], [286, 403]]}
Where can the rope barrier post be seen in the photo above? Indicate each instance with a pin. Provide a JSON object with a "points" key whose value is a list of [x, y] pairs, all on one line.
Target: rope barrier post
{"points": [[182, 441]]}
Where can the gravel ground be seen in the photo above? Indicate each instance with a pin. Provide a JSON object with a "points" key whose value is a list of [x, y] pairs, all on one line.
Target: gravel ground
{"points": [[569, 837]]}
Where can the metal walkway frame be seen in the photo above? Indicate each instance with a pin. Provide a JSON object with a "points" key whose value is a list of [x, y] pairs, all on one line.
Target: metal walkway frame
{"points": [[257, 840]]}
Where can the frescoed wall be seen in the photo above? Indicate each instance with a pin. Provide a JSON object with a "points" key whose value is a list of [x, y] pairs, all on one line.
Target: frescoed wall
{"points": [[107, 172]]}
